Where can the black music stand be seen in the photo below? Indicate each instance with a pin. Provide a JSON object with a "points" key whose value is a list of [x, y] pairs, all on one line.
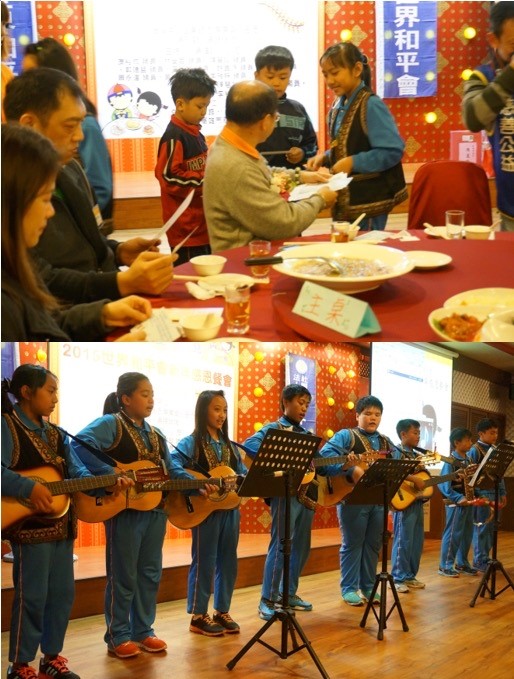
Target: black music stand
{"points": [[378, 485], [277, 470], [494, 465]]}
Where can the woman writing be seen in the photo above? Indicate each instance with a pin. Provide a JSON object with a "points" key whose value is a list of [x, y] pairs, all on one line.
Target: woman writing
{"points": [[29, 168]]}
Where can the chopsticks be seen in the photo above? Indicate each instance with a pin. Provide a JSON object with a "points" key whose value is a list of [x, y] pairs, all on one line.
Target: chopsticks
{"points": [[183, 277]]}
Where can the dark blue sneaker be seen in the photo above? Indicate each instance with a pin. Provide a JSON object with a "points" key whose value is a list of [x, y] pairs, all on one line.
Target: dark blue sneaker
{"points": [[266, 609], [298, 604], [467, 570], [448, 572]]}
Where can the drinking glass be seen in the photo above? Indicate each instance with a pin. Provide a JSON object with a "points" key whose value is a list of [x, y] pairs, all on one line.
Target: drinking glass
{"points": [[237, 309], [260, 248], [454, 223]]}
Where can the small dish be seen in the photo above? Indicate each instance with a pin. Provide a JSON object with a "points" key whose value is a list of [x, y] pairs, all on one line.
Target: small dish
{"points": [[208, 265], [499, 327], [201, 327], [436, 232], [495, 298], [218, 283], [477, 232], [480, 313], [425, 259]]}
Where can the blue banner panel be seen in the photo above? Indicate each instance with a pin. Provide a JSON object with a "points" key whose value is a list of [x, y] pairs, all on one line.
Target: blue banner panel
{"points": [[22, 32], [410, 48]]}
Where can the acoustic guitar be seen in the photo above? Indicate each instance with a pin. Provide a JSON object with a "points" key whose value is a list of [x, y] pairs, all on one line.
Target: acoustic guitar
{"points": [[16, 509], [333, 489], [187, 512], [408, 493], [145, 495]]}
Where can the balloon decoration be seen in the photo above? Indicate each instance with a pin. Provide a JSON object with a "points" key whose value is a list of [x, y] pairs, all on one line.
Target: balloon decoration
{"points": [[41, 355]]}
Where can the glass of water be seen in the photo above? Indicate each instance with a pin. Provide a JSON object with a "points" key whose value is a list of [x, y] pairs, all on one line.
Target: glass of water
{"points": [[454, 223]]}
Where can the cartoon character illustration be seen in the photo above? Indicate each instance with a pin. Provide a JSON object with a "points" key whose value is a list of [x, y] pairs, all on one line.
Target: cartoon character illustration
{"points": [[120, 97], [148, 105]]}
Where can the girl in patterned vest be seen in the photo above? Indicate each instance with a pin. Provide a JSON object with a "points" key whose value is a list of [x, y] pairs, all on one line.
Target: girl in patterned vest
{"points": [[365, 142], [42, 546], [134, 538], [214, 546]]}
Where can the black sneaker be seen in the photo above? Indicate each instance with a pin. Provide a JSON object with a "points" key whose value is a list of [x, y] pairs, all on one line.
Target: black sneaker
{"points": [[56, 668], [230, 626], [23, 672], [206, 626]]}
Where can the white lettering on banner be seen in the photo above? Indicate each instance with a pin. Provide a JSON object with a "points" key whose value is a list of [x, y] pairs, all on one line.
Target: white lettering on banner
{"points": [[507, 137], [408, 40], [406, 14], [407, 84], [406, 59]]}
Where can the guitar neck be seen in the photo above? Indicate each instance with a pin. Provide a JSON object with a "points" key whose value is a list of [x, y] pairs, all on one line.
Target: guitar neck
{"points": [[435, 480], [66, 486], [342, 459], [183, 484]]}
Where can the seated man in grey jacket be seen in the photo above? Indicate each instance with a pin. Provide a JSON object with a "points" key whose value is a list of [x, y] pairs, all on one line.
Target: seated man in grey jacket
{"points": [[77, 263], [239, 202]]}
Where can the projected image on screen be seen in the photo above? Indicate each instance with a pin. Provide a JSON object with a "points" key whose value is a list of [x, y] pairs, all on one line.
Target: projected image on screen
{"points": [[413, 382]]}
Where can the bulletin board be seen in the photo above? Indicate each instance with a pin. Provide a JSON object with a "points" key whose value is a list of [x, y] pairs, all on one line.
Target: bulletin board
{"points": [[133, 54]]}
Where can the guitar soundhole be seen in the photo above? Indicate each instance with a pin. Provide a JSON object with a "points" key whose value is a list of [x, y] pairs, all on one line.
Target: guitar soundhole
{"points": [[218, 496]]}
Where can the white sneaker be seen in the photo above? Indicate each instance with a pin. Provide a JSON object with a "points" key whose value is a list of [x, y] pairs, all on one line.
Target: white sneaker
{"points": [[401, 587], [415, 584], [9, 557]]}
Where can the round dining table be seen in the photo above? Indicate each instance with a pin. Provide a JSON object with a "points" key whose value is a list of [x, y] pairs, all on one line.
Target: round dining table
{"points": [[401, 305]]}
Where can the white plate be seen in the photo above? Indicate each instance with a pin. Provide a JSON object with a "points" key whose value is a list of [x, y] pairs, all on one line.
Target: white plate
{"points": [[219, 282], [491, 297], [425, 259], [479, 312], [436, 232], [499, 328], [396, 261]]}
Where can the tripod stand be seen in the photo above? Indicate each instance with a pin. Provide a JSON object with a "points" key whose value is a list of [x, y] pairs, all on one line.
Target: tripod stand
{"points": [[378, 485], [276, 476], [494, 465]]}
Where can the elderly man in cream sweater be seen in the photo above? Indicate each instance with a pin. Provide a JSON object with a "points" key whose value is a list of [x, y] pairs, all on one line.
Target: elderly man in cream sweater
{"points": [[239, 203]]}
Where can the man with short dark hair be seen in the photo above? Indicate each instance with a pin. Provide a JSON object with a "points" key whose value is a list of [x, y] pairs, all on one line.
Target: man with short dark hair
{"points": [[487, 430], [77, 263], [239, 202]]}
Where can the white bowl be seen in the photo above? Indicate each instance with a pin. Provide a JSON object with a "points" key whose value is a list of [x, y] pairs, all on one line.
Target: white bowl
{"points": [[208, 265], [481, 313], [496, 298], [499, 327], [201, 327], [395, 262], [477, 232]]}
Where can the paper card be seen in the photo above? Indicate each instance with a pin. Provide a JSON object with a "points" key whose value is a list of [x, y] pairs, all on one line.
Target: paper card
{"points": [[181, 208], [339, 312], [336, 183], [164, 324]]}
